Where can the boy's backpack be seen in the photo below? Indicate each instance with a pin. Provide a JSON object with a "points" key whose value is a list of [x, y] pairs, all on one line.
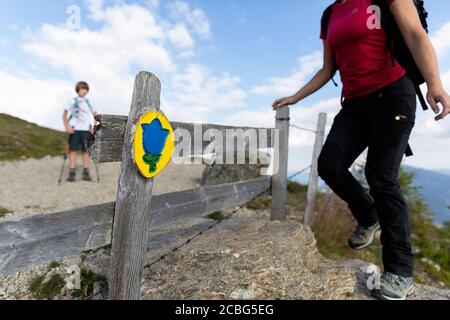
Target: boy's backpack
{"points": [[75, 105], [394, 41]]}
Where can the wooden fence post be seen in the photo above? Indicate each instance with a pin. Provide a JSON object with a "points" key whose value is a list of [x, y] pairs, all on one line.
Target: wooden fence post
{"points": [[280, 178], [314, 175], [131, 219]]}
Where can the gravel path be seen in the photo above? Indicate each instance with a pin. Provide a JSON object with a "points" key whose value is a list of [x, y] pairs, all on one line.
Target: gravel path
{"points": [[30, 186]]}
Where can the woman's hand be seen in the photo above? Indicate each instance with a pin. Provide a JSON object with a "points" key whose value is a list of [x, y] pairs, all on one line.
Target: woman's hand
{"points": [[280, 103], [439, 95]]}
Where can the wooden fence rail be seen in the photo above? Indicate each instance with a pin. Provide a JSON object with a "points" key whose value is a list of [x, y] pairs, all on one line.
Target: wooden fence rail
{"points": [[106, 145], [29, 241]]}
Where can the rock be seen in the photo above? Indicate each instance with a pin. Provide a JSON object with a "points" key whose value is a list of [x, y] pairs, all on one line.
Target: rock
{"points": [[12, 289], [359, 269], [100, 290], [73, 261], [242, 295], [225, 173]]}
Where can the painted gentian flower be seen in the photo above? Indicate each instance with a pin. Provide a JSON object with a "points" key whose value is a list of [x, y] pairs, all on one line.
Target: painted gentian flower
{"points": [[154, 139]]}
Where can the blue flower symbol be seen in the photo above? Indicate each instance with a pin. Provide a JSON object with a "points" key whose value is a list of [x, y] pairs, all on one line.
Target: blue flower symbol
{"points": [[153, 140]]}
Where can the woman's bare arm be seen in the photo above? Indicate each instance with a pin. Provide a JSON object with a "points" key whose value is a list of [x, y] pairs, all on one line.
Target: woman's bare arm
{"points": [[318, 81], [423, 52]]}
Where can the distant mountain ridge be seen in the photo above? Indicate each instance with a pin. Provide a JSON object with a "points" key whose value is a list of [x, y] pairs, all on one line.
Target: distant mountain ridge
{"points": [[435, 189]]}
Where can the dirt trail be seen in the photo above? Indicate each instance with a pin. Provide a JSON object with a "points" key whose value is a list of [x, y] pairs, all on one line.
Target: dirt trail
{"points": [[30, 186]]}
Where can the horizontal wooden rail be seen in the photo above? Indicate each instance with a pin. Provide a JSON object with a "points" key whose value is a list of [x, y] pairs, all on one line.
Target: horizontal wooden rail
{"points": [[32, 240], [107, 143]]}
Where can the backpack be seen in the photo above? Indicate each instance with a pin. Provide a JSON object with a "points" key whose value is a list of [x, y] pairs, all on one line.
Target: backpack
{"points": [[75, 105], [394, 41]]}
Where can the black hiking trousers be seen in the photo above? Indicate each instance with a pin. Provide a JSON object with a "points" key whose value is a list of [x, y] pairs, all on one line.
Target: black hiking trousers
{"points": [[382, 122]]}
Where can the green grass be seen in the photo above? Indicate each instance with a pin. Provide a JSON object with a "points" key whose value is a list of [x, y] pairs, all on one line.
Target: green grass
{"points": [[4, 212], [35, 284], [41, 289], [88, 278], [53, 265], [32, 207], [218, 216], [46, 290], [20, 139]]}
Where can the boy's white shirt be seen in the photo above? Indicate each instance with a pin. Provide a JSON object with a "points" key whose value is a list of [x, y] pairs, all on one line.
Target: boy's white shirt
{"points": [[81, 117]]}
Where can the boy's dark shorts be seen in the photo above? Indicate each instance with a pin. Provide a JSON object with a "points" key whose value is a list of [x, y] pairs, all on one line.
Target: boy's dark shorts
{"points": [[77, 141]]}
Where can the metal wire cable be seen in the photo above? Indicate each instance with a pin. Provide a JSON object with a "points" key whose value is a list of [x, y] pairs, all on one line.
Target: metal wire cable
{"points": [[303, 129], [298, 173], [176, 249]]}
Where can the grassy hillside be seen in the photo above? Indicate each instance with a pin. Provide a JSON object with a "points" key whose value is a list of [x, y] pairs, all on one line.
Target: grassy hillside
{"points": [[334, 223], [20, 139]]}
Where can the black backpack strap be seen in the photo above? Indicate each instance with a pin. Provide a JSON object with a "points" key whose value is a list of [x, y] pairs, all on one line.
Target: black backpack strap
{"points": [[387, 23], [421, 97], [409, 152], [324, 24], [326, 19]]}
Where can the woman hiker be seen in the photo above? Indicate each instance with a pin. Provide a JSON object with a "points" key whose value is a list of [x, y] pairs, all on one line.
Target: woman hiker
{"points": [[378, 113]]}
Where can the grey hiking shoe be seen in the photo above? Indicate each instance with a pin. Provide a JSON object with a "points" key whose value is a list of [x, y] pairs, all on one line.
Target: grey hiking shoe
{"points": [[72, 175], [86, 175], [394, 287], [363, 237]]}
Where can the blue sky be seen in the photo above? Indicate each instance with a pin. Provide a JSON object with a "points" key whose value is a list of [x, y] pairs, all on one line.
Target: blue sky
{"points": [[219, 61]]}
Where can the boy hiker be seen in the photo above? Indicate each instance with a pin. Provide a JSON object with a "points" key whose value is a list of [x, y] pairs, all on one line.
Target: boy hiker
{"points": [[78, 120]]}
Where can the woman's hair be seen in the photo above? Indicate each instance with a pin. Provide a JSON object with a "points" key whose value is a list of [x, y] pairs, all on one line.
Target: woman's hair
{"points": [[81, 85]]}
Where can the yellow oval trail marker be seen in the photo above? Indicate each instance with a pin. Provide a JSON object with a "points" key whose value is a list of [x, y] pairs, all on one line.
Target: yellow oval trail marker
{"points": [[154, 143]]}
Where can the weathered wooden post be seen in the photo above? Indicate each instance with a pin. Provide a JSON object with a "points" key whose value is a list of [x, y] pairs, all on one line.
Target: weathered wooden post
{"points": [[314, 175], [131, 220], [280, 178]]}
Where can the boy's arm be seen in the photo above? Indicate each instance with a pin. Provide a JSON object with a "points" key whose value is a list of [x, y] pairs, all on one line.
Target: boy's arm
{"points": [[66, 122]]}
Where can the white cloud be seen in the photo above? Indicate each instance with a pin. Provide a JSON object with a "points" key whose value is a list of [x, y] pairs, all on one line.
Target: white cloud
{"points": [[180, 37], [441, 40], [287, 85], [35, 100], [130, 37], [302, 116], [195, 93], [196, 19]]}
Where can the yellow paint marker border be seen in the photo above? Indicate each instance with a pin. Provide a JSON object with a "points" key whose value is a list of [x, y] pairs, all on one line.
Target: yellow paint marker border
{"points": [[139, 151]]}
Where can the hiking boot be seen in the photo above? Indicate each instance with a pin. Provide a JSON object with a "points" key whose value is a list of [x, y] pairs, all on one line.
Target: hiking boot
{"points": [[394, 287], [72, 174], [86, 176], [363, 237]]}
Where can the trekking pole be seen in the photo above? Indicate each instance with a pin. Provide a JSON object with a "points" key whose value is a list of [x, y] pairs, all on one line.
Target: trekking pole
{"points": [[97, 172], [62, 169], [66, 153]]}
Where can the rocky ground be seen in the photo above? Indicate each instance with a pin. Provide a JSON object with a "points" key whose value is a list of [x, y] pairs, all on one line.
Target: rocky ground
{"points": [[243, 257]]}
